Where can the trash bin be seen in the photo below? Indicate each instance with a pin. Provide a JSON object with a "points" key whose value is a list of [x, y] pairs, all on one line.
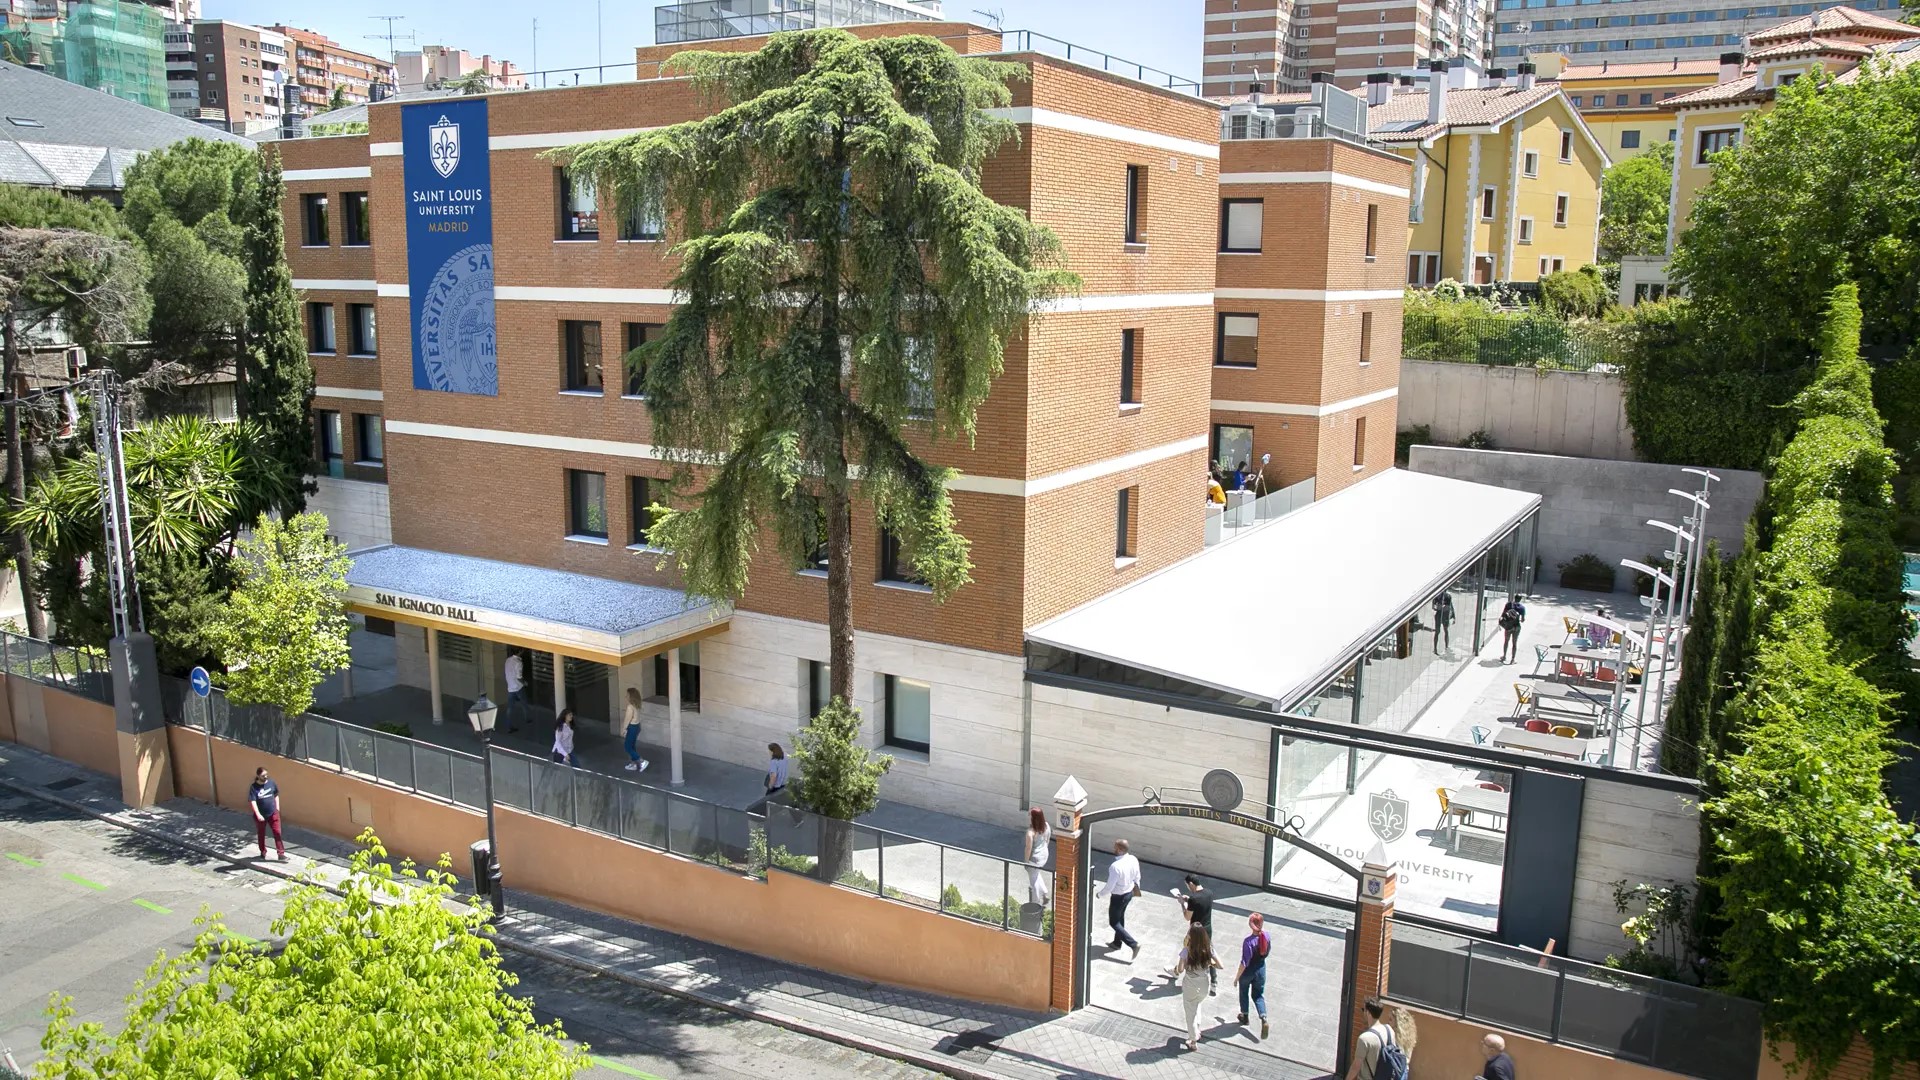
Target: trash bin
{"points": [[1031, 916], [483, 872]]}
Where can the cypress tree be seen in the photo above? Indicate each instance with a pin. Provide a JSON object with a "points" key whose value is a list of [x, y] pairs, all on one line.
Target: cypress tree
{"points": [[276, 378]]}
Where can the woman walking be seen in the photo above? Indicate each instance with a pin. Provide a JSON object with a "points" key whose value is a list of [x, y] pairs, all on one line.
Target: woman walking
{"points": [[563, 739], [636, 764], [1195, 967], [1039, 849]]}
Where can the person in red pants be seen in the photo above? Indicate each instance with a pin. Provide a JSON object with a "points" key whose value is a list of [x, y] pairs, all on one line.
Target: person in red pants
{"points": [[264, 798]]}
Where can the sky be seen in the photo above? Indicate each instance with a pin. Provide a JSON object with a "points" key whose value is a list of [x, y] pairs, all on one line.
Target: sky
{"points": [[1163, 34]]}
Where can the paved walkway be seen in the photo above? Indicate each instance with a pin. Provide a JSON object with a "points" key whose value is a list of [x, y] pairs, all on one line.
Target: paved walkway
{"points": [[958, 1038]]}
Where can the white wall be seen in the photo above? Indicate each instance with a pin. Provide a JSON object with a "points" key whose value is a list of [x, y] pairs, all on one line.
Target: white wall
{"points": [[1638, 834], [1580, 413], [356, 511]]}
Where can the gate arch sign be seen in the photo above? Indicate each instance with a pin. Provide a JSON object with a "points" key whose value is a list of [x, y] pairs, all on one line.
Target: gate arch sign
{"points": [[1073, 899]]}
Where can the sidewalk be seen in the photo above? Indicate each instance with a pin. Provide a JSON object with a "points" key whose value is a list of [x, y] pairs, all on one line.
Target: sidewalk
{"points": [[957, 1038]]}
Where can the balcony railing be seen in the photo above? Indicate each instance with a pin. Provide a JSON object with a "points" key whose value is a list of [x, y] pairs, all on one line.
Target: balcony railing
{"points": [[1244, 510]]}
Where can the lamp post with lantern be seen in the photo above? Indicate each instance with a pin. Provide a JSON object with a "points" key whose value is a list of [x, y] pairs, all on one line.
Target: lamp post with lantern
{"points": [[481, 714]]}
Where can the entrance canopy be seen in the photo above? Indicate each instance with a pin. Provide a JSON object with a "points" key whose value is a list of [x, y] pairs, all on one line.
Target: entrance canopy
{"points": [[586, 617], [1266, 619]]}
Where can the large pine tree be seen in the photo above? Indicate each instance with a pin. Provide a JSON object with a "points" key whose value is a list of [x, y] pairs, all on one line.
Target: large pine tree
{"points": [[276, 378]]}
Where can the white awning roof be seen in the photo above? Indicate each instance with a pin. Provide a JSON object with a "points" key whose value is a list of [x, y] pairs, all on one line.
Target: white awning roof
{"points": [[1274, 613], [574, 614]]}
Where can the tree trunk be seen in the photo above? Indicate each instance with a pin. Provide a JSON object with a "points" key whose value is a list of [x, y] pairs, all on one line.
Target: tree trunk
{"points": [[837, 488], [16, 479]]}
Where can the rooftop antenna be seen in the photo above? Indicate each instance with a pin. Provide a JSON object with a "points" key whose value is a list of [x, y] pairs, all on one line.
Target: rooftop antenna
{"points": [[390, 36], [994, 16]]}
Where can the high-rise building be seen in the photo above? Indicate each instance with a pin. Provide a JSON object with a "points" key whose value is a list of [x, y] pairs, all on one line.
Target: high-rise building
{"points": [[227, 74], [1645, 30], [1284, 43], [114, 46], [432, 66], [322, 65], [704, 20]]}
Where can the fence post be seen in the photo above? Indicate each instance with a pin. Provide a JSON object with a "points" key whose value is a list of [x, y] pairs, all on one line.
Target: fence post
{"points": [[1006, 890], [6, 650]]}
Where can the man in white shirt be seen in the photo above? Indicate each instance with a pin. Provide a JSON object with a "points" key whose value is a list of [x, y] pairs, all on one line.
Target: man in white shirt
{"points": [[1123, 884], [516, 692]]}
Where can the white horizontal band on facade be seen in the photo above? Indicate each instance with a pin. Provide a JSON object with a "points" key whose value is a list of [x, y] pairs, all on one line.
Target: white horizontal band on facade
{"points": [[383, 149], [350, 172], [564, 294], [1070, 305], [1216, 57], [348, 393], [543, 140], [1246, 35], [1376, 28], [1227, 16], [1325, 176], [1274, 408], [384, 289], [1316, 296], [1086, 125], [333, 284], [989, 485]]}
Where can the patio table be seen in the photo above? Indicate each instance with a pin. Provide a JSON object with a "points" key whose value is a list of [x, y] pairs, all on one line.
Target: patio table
{"points": [[1477, 800], [1540, 742]]}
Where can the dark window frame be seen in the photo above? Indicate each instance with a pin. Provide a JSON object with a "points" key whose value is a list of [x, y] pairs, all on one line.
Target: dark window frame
{"points": [[1220, 339], [361, 423], [370, 346], [634, 335], [1125, 544], [892, 738], [564, 187], [313, 215], [320, 345], [578, 374], [689, 678], [1132, 234], [1130, 366], [891, 557], [1226, 210], [356, 220], [1373, 231], [579, 519], [639, 517], [330, 452]]}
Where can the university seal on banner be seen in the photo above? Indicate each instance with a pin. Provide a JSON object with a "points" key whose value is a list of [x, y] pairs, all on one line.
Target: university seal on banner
{"points": [[456, 324], [1387, 815], [443, 147]]}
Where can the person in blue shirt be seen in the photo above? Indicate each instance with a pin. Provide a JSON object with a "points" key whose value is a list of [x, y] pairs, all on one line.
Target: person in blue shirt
{"points": [[1240, 477], [264, 798]]}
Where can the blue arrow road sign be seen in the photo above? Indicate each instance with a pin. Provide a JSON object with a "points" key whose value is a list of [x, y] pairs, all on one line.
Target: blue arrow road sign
{"points": [[202, 682]]}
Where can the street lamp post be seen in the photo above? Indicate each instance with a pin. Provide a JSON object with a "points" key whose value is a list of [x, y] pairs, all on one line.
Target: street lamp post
{"points": [[481, 714], [1660, 577]]}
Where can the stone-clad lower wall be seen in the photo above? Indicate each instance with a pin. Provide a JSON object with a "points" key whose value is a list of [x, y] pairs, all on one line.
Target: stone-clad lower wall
{"points": [[1641, 835]]}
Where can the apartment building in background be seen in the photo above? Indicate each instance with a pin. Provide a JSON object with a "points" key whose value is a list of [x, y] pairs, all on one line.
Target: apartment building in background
{"points": [[1259, 310], [1644, 31], [115, 46], [1628, 104], [322, 65], [708, 20], [227, 74], [1284, 43], [431, 66]]}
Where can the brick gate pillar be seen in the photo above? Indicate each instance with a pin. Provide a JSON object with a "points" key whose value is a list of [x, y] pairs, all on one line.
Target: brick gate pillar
{"points": [[1373, 941], [1068, 934]]}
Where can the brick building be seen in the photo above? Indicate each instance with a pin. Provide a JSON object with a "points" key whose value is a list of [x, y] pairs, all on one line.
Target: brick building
{"points": [[322, 65], [1088, 473]]}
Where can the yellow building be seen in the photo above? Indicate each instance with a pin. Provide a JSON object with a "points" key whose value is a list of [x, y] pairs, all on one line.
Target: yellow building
{"points": [[1506, 177], [1711, 119], [1630, 106]]}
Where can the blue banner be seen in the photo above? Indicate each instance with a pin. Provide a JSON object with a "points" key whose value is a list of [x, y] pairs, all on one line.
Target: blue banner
{"points": [[450, 246]]}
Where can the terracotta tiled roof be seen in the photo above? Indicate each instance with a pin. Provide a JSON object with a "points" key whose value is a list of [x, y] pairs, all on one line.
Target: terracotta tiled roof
{"points": [[1745, 88], [1394, 121], [1834, 21], [1895, 55], [1269, 99], [1634, 71], [1814, 46]]}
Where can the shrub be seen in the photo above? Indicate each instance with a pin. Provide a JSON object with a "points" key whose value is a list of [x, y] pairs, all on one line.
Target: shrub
{"points": [[1405, 441], [1586, 571], [1574, 294], [1478, 440]]}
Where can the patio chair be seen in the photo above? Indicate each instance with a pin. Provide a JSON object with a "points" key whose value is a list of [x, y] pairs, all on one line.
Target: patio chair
{"points": [[1598, 757], [1566, 731], [1540, 726], [1569, 670], [1573, 629], [1488, 785], [1541, 657], [1605, 674], [1447, 810], [1481, 734], [1522, 694]]}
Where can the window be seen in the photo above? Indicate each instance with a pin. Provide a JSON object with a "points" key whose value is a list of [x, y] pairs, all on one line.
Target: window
{"points": [[360, 329], [1530, 163], [314, 209], [1236, 340], [319, 328], [1232, 446], [1673, 134], [819, 686], [1125, 531], [1646, 99], [579, 210], [1566, 145], [1423, 267], [638, 334], [1526, 230], [586, 504], [1714, 141], [369, 433], [639, 510], [1575, 100], [895, 566], [1545, 264], [1787, 78], [1488, 196], [689, 676], [1240, 224], [1129, 367], [637, 225], [1373, 231], [1620, 99], [909, 714], [328, 449], [1630, 139], [1360, 442], [1366, 337], [1136, 191], [1551, 265], [1560, 204], [919, 358], [1483, 269], [580, 349], [355, 219]]}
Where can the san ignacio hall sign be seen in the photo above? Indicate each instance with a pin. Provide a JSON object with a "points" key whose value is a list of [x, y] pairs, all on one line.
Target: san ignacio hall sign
{"points": [[425, 607]]}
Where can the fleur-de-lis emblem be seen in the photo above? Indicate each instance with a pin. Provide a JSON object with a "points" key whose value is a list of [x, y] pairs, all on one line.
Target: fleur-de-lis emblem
{"points": [[1387, 815], [443, 147]]}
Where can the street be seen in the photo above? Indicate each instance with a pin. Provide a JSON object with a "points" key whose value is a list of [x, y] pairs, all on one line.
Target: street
{"points": [[88, 905]]}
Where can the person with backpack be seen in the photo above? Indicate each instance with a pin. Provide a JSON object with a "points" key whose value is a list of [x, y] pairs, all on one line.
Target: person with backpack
{"points": [[1511, 618], [1377, 1054], [1252, 976]]}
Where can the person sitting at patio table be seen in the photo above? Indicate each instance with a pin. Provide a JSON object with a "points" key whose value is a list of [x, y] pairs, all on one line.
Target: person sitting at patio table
{"points": [[1599, 633]]}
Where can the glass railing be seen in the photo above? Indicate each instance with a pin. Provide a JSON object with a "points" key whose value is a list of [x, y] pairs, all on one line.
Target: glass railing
{"points": [[1666, 1025], [1244, 511]]}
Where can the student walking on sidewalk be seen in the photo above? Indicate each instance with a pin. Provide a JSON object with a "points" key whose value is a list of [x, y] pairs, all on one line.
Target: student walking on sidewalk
{"points": [[563, 739], [633, 731], [1196, 966], [1252, 976], [1123, 884], [264, 798]]}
